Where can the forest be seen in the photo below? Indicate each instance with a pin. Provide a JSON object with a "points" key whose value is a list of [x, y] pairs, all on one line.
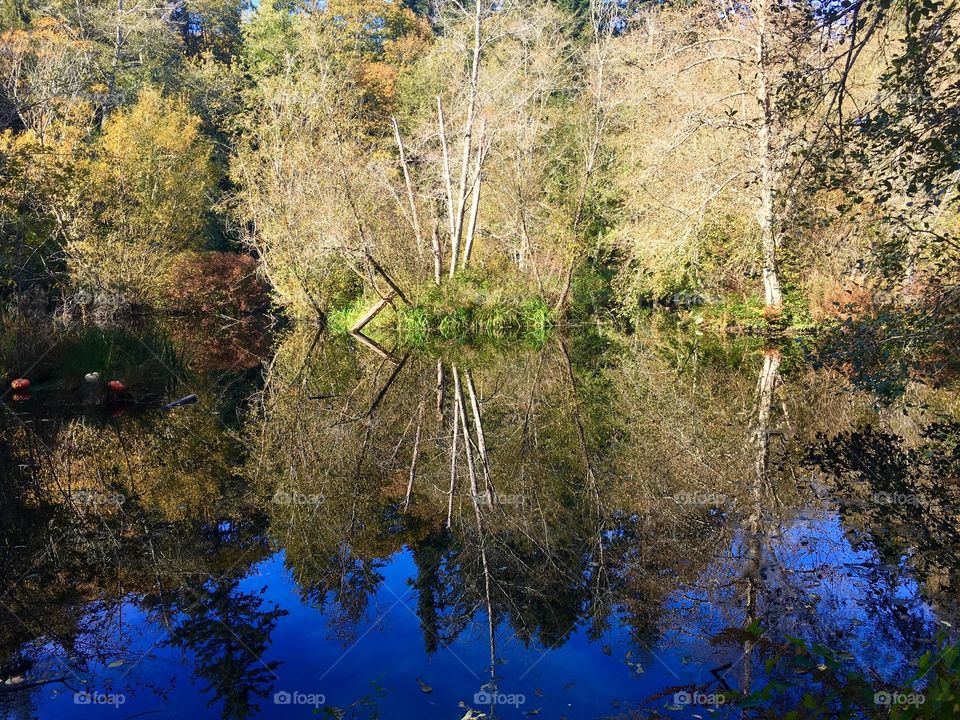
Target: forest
{"points": [[489, 166], [480, 358]]}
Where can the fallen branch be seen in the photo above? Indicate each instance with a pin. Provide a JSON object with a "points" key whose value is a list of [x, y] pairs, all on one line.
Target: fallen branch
{"points": [[371, 313]]}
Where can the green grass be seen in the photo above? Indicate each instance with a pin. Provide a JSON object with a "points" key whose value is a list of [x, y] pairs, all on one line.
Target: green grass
{"points": [[474, 310], [528, 322], [147, 359], [748, 316], [340, 321], [468, 310]]}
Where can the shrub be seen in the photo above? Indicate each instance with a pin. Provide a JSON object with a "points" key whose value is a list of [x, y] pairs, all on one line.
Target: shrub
{"points": [[146, 195]]}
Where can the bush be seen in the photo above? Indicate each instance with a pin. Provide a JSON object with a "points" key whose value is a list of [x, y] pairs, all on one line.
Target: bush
{"points": [[145, 198]]}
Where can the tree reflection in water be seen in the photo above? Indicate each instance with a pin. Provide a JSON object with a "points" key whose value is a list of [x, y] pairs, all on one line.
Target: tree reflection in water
{"points": [[660, 505]]}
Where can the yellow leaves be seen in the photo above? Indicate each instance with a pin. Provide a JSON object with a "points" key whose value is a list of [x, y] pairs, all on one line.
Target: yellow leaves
{"points": [[369, 24], [38, 175], [154, 146], [409, 47], [147, 186], [43, 71]]}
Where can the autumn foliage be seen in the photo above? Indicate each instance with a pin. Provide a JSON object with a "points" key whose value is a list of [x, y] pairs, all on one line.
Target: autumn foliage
{"points": [[215, 282]]}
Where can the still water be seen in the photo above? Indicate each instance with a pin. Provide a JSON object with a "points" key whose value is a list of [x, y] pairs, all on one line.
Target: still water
{"points": [[642, 526]]}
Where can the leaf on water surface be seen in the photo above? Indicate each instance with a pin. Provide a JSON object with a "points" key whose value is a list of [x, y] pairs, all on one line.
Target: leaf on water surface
{"points": [[533, 712], [423, 686], [115, 663], [606, 650]]}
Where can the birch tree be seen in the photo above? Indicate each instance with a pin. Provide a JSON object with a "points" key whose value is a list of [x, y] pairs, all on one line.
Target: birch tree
{"points": [[742, 102]]}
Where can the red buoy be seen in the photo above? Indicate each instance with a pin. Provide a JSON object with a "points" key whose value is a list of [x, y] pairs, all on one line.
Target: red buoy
{"points": [[20, 384], [116, 386]]}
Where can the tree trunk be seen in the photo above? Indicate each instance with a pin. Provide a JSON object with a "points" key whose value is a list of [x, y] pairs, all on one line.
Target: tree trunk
{"points": [[453, 463], [414, 218], [766, 385], [437, 254], [371, 313], [448, 180], [416, 456], [467, 439], [768, 174], [481, 439], [440, 391], [475, 206], [467, 142]]}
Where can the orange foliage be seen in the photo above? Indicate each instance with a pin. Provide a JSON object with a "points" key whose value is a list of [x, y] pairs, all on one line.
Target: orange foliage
{"points": [[379, 80], [384, 37], [847, 300]]}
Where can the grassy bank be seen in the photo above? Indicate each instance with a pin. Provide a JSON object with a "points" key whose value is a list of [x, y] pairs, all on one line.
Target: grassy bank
{"points": [[467, 310]]}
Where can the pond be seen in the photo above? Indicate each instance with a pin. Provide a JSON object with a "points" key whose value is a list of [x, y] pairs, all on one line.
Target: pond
{"points": [[651, 525]]}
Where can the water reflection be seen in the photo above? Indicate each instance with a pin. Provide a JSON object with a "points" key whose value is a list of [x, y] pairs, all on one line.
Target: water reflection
{"points": [[402, 533]]}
